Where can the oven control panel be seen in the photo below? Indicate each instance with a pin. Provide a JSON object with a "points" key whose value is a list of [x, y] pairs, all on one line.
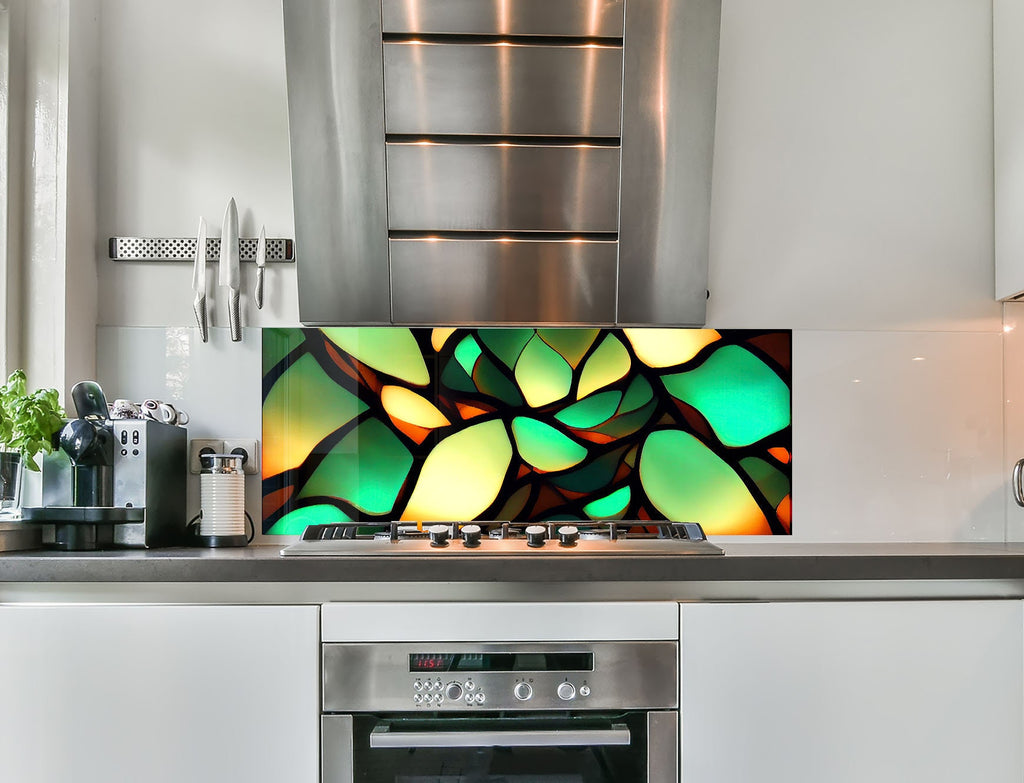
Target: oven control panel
{"points": [[514, 676]]}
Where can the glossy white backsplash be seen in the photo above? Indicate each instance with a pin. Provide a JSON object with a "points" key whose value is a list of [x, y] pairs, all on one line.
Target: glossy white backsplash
{"points": [[1013, 391]]}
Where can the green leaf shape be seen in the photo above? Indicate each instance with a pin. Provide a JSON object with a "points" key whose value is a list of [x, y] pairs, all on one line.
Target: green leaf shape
{"points": [[628, 423], [638, 394], [605, 366], [467, 352], [544, 447], [611, 506], [506, 344], [455, 378], [490, 380], [28, 420], [302, 408], [462, 475], [278, 342], [387, 349], [590, 412], [367, 468], [294, 522], [686, 481], [542, 374], [773, 483], [593, 476], [571, 344], [740, 396], [515, 504]]}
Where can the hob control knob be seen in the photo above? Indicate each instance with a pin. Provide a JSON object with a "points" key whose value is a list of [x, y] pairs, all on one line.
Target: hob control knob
{"points": [[438, 535], [522, 691], [535, 535], [471, 535], [568, 535], [453, 692], [566, 691]]}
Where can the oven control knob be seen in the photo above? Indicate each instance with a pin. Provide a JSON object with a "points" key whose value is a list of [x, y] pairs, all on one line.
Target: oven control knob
{"points": [[535, 535], [471, 535], [566, 691], [522, 691], [438, 535], [453, 691], [568, 535], [584, 690]]}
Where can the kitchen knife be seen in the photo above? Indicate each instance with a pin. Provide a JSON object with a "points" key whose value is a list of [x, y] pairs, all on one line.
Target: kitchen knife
{"points": [[229, 275], [199, 281], [261, 261]]}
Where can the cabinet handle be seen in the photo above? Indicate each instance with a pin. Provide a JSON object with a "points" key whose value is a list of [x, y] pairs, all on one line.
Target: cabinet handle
{"points": [[1018, 486]]}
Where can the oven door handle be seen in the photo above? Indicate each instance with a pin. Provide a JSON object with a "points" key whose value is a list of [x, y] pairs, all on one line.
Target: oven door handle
{"points": [[383, 737]]}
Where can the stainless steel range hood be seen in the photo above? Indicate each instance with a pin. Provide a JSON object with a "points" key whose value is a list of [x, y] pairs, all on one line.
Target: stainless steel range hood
{"points": [[502, 161]]}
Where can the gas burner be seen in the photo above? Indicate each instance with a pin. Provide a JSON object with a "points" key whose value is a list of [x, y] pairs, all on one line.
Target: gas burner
{"points": [[503, 538]]}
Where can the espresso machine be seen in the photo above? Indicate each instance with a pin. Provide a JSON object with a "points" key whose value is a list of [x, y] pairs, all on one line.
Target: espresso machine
{"points": [[110, 483]]}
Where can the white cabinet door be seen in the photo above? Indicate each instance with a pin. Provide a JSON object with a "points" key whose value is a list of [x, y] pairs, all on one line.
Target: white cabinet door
{"points": [[907, 692], [1008, 119], [161, 694]]}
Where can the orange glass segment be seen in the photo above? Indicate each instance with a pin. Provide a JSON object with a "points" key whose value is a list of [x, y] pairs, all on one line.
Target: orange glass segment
{"points": [[781, 454]]}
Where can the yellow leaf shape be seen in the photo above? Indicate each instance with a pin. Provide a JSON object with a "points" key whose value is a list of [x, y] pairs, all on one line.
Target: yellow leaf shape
{"points": [[384, 348], [440, 336], [669, 347], [606, 365], [462, 475], [407, 405]]}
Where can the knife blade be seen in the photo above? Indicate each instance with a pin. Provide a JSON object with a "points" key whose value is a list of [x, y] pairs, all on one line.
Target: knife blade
{"points": [[261, 262], [229, 274], [199, 281]]}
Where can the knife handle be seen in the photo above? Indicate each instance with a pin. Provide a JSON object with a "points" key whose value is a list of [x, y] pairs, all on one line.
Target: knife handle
{"points": [[199, 306], [258, 293], [234, 317]]}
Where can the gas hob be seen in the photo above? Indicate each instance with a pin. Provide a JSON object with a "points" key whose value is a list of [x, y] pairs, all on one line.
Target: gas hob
{"points": [[482, 539]]}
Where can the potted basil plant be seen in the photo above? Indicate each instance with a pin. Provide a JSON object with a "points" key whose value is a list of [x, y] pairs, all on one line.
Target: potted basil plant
{"points": [[28, 423]]}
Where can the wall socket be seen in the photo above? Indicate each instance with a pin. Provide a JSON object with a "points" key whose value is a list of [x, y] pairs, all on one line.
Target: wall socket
{"points": [[250, 447]]}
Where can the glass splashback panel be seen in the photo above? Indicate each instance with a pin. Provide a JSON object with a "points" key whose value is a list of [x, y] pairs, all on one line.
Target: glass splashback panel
{"points": [[386, 423]]}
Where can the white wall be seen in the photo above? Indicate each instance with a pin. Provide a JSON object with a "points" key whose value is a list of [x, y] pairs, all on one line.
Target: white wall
{"points": [[852, 204]]}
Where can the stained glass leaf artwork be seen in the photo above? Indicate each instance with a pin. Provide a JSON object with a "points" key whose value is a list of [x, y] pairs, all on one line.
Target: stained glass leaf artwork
{"points": [[455, 378], [638, 394], [740, 396], [439, 336], [462, 475], [506, 344], [302, 408], [628, 423], [544, 447], [542, 374], [277, 344], [686, 481], [294, 522], [387, 350], [467, 352], [367, 469], [773, 483], [490, 380], [607, 364], [669, 347], [406, 405], [592, 476], [611, 506], [571, 344], [591, 411]]}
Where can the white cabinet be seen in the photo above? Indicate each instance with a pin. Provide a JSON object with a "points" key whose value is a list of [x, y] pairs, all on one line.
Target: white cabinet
{"points": [[161, 694], [908, 692], [1008, 128]]}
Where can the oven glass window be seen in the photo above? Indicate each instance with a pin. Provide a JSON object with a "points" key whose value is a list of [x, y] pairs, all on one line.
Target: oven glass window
{"points": [[482, 759]]}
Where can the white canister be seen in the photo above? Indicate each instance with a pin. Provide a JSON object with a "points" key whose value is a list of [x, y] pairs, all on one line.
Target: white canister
{"points": [[222, 499]]}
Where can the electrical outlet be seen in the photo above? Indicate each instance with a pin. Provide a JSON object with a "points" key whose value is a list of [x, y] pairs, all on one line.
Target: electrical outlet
{"points": [[198, 446], [248, 448]]}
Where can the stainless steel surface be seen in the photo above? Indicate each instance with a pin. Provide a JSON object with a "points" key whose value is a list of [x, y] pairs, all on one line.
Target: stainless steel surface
{"points": [[336, 746], [279, 251], [1017, 484], [221, 463], [261, 262], [511, 281], [492, 89], [17, 536], [335, 77], [228, 268], [383, 737], [376, 677], [499, 548], [668, 128], [663, 747], [592, 18], [199, 281], [502, 187]]}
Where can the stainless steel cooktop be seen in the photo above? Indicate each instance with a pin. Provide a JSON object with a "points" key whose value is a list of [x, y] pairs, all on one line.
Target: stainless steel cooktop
{"points": [[481, 539]]}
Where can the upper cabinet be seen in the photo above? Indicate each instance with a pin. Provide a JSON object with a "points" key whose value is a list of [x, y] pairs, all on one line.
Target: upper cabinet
{"points": [[502, 161], [1008, 107]]}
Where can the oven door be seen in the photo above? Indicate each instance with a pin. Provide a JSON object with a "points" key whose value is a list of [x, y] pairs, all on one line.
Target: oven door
{"points": [[631, 747]]}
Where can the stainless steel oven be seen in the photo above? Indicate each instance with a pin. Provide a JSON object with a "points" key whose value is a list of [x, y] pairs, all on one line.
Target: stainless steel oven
{"points": [[516, 712]]}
